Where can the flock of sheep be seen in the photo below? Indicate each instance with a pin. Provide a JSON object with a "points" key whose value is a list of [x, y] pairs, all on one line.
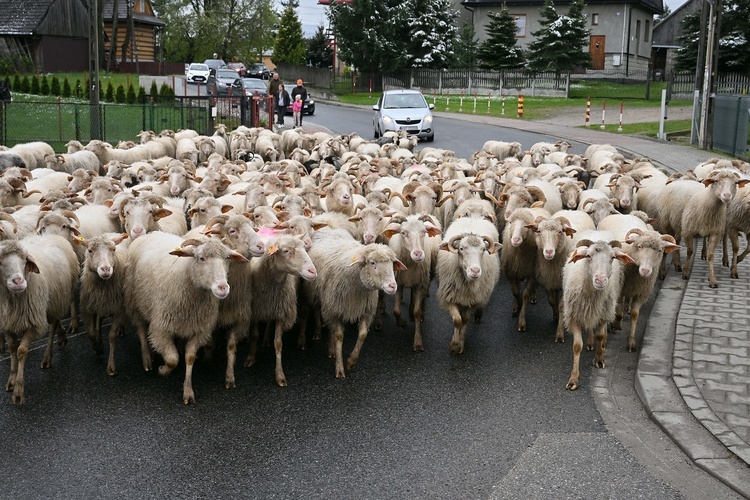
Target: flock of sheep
{"points": [[196, 239]]}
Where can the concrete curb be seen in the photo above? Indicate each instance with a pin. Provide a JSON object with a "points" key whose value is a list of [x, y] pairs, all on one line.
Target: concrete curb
{"points": [[663, 401]]}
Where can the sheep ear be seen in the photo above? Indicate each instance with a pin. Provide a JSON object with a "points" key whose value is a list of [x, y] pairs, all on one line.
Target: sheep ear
{"points": [[31, 266], [579, 254], [671, 247], [120, 238], [237, 257], [398, 266], [532, 226], [494, 248], [569, 231], [742, 182], [537, 204], [226, 208], [355, 218], [161, 213], [432, 230], [389, 231], [183, 252], [359, 258], [623, 257], [272, 250]]}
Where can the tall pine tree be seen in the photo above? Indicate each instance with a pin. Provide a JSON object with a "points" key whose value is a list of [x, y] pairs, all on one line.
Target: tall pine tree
{"points": [[289, 46], [466, 48], [432, 33], [558, 44], [499, 50], [319, 52]]}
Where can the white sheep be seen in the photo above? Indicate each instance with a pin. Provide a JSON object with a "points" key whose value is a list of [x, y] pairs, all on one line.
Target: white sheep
{"points": [[467, 270], [86, 160], [101, 292], [33, 153], [39, 275], [591, 287], [172, 289], [346, 290]]}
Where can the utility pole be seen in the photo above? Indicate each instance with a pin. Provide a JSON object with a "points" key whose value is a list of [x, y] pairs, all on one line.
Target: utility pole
{"points": [[700, 64], [703, 131], [94, 69]]}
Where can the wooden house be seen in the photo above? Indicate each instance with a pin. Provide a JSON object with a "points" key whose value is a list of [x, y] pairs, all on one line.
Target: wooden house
{"points": [[46, 35], [146, 44]]}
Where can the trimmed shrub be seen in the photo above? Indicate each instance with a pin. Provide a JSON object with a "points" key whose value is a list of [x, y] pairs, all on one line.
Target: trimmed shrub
{"points": [[101, 91], [141, 94], [166, 91], [130, 96], [25, 85], [34, 85], [110, 95], [17, 82], [120, 94], [66, 91], [54, 86], [154, 90], [78, 89], [44, 85]]}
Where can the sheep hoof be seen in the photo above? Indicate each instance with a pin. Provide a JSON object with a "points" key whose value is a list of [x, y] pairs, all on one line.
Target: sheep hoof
{"points": [[378, 325], [725, 262], [560, 339], [521, 328], [164, 370], [456, 348], [589, 347], [631, 347], [713, 285], [281, 381], [250, 361], [11, 383], [572, 385], [400, 323], [17, 399], [46, 362], [599, 363], [229, 384], [734, 275], [418, 348], [188, 399], [62, 341], [340, 373], [111, 371]]}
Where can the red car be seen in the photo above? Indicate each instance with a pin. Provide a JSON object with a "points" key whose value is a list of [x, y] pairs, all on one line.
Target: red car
{"points": [[239, 68]]}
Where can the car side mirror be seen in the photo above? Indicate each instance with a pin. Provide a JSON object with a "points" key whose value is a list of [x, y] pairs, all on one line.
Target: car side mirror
{"points": [[375, 107], [431, 106]]}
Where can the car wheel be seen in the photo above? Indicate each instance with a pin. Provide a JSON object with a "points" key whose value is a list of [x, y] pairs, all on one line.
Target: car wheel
{"points": [[311, 112], [431, 138]]}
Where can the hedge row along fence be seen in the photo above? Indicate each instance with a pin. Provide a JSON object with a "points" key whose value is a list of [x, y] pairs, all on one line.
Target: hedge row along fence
{"points": [[51, 86]]}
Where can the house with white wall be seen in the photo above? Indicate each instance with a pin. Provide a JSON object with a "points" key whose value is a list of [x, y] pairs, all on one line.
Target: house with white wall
{"points": [[621, 31]]}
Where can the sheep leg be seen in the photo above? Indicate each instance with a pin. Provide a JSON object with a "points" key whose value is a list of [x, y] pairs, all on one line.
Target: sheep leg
{"points": [[145, 350], [231, 359], [527, 292], [601, 344], [93, 333], [703, 248], [417, 297], [278, 344], [590, 341], [3, 345], [191, 350], [477, 316], [713, 240], [515, 286], [381, 310], [254, 334], [13, 348], [553, 299], [724, 251], [62, 340], [676, 259], [114, 332], [617, 324], [456, 346], [635, 311], [690, 240], [267, 334], [361, 336], [337, 338], [318, 325], [171, 356], [47, 359], [746, 251], [304, 312], [735, 239], [572, 384], [397, 298], [73, 320], [21, 352]]}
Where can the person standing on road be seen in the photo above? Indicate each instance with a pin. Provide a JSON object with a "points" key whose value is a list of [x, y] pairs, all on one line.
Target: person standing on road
{"points": [[282, 101], [299, 90], [297, 110], [273, 85]]}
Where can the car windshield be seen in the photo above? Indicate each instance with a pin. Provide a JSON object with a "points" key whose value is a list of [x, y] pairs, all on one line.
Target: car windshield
{"points": [[199, 67], [226, 73], [254, 84], [398, 101]]}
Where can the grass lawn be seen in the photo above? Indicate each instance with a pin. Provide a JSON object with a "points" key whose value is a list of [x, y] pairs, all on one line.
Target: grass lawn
{"points": [[650, 129]]}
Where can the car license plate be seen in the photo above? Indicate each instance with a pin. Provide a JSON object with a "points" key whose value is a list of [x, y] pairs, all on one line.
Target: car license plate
{"points": [[410, 129]]}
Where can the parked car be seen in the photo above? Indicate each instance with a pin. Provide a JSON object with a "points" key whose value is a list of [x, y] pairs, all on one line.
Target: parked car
{"points": [[197, 72], [259, 70], [250, 85], [403, 110], [215, 63], [223, 80], [238, 67], [308, 107]]}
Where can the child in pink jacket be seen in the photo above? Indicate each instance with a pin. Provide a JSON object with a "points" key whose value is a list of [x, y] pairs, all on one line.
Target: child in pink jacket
{"points": [[297, 111]]}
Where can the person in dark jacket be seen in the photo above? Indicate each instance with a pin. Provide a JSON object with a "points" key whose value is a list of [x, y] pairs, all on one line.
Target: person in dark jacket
{"points": [[282, 101], [5, 95], [273, 84], [301, 91]]}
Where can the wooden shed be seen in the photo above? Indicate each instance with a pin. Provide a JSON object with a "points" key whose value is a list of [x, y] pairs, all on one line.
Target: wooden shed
{"points": [[146, 45], [46, 35]]}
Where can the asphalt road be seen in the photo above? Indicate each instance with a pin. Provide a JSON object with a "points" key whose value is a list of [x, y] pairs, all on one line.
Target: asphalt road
{"points": [[495, 421]]}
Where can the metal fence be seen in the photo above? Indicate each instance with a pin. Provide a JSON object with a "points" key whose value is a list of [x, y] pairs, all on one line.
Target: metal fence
{"points": [[59, 122], [730, 126]]}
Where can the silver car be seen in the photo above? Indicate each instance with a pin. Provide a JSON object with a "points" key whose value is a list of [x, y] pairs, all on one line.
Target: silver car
{"points": [[404, 110]]}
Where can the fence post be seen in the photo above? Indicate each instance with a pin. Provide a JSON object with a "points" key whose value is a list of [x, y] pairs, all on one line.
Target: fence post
{"points": [[475, 103], [447, 100], [440, 82], [648, 84], [77, 121], [461, 103], [502, 105], [59, 118], [567, 86], [588, 111], [434, 97], [619, 128], [604, 111], [470, 82], [489, 95], [663, 116], [520, 105]]}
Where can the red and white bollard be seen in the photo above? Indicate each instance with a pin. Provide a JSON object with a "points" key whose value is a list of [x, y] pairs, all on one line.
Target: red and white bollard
{"points": [[502, 105], [619, 128], [434, 97], [447, 100], [461, 103], [604, 112], [588, 112], [489, 98], [475, 103]]}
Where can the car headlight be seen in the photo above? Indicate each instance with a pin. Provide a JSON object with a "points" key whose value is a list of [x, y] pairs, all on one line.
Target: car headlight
{"points": [[312, 101], [387, 119], [428, 119]]}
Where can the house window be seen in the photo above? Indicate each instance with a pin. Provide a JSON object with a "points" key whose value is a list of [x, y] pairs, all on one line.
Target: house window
{"points": [[637, 30], [520, 20], [594, 19], [646, 32]]}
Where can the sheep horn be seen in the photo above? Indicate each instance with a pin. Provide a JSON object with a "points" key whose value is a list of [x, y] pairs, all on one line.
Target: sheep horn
{"points": [[29, 193], [587, 202], [537, 193], [410, 187], [584, 243], [635, 230], [400, 195], [71, 215], [488, 242], [9, 218], [493, 199], [669, 238], [190, 242], [444, 199], [217, 219]]}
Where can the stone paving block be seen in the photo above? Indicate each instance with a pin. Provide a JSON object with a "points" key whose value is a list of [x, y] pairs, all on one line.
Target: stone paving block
{"points": [[722, 409], [720, 349], [733, 378], [700, 366], [729, 470], [706, 415], [657, 393], [711, 339], [699, 346], [709, 375], [738, 398], [695, 403], [737, 360], [681, 362], [738, 370], [718, 386], [743, 452], [714, 358], [741, 335], [730, 438], [682, 382], [690, 436], [739, 343]]}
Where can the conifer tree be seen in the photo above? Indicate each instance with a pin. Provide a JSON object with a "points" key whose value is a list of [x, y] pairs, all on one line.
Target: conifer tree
{"points": [[558, 44], [499, 50], [290, 44]]}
